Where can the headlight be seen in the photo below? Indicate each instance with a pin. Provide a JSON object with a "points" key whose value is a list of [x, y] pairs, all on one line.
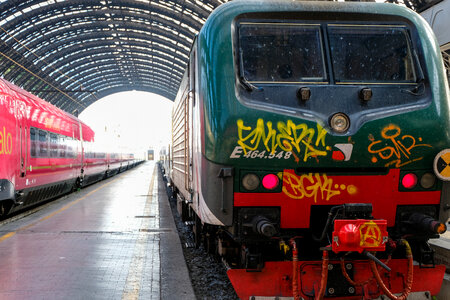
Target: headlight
{"points": [[409, 181], [270, 181], [250, 182], [427, 180], [339, 122]]}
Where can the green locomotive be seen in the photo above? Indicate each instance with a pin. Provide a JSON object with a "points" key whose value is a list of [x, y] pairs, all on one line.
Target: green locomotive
{"points": [[309, 137]]}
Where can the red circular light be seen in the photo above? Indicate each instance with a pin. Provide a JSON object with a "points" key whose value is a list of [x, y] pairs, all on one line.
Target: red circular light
{"points": [[270, 181], [409, 181], [349, 235]]}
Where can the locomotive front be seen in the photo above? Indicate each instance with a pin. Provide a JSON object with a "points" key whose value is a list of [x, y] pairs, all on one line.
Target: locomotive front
{"points": [[324, 141]]}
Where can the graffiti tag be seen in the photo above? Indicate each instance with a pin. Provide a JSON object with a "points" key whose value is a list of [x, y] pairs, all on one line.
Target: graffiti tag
{"points": [[313, 185], [398, 149], [370, 235], [288, 137], [6, 142]]}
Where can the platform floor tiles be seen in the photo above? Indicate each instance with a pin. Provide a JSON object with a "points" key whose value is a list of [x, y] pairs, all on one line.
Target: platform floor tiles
{"points": [[112, 240]]}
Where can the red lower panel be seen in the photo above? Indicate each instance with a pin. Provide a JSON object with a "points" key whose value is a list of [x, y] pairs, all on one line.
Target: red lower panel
{"points": [[300, 192], [276, 279]]}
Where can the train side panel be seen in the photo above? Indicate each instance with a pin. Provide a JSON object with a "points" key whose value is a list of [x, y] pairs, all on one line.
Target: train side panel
{"points": [[47, 149], [95, 161]]}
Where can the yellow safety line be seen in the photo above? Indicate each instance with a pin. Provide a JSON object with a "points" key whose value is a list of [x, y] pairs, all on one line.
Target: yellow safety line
{"points": [[12, 233], [136, 269]]}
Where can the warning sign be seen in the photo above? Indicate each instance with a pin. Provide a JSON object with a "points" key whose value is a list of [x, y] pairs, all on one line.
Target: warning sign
{"points": [[442, 165]]}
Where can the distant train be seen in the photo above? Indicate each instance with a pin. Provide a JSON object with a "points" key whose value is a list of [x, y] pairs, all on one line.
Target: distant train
{"points": [[46, 152], [150, 154], [311, 148]]}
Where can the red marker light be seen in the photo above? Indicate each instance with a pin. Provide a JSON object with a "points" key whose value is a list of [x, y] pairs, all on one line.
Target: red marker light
{"points": [[409, 181], [270, 181]]}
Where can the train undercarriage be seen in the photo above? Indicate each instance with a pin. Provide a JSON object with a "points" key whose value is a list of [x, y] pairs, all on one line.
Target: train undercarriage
{"points": [[266, 262]]}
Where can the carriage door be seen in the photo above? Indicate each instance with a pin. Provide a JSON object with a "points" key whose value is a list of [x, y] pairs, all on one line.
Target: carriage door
{"points": [[23, 138], [23, 147], [77, 147]]}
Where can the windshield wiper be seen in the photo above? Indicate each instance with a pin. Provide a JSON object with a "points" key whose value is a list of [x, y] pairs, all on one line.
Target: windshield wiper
{"points": [[248, 86], [244, 82], [419, 89]]}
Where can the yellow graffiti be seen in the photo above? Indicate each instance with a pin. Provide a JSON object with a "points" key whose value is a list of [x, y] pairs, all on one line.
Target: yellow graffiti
{"points": [[287, 136], [398, 149], [313, 186], [6, 142], [370, 235]]}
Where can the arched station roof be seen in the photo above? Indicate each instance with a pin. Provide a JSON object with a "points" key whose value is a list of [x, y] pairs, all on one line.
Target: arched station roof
{"points": [[72, 53]]}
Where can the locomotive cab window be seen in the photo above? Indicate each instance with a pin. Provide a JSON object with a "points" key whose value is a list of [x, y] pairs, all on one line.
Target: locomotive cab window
{"points": [[281, 52], [301, 66], [371, 54]]}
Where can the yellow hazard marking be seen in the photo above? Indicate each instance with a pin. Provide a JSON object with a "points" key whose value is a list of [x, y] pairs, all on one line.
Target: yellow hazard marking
{"points": [[370, 235], [446, 172], [446, 157], [441, 165]]}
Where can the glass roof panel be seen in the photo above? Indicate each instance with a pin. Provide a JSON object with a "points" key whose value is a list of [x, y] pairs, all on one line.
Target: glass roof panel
{"points": [[108, 45]]}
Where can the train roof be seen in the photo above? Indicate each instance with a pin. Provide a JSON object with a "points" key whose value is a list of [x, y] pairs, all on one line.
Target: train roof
{"points": [[238, 7], [37, 103], [218, 28], [42, 103]]}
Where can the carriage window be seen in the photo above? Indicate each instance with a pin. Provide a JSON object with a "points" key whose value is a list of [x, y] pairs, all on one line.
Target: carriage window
{"points": [[71, 148], [43, 143], [280, 52], [34, 142], [62, 146], [53, 145], [100, 155], [371, 54]]}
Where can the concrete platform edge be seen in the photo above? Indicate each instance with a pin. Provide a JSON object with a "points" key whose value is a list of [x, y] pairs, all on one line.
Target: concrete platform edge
{"points": [[175, 280]]}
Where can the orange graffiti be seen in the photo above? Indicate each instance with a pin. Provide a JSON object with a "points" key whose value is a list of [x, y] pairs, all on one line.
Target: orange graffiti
{"points": [[399, 151]]}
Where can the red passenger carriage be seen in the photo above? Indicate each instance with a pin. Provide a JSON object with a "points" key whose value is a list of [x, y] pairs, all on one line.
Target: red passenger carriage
{"points": [[45, 151]]}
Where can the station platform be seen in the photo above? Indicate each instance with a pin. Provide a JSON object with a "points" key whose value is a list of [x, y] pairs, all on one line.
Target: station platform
{"points": [[112, 240]]}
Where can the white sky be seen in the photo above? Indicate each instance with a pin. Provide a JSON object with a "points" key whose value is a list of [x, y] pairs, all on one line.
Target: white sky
{"points": [[130, 121]]}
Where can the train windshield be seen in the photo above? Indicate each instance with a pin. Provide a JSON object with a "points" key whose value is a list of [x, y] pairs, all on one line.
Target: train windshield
{"points": [[371, 53], [281, 52]]}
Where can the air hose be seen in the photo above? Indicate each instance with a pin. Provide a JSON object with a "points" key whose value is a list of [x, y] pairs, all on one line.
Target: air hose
{"points": [[295, 271], [324, 275], [354, 283], [409, 278]]}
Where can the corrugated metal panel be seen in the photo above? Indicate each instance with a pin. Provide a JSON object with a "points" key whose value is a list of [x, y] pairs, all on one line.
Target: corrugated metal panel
{"points": [[180, 144]]}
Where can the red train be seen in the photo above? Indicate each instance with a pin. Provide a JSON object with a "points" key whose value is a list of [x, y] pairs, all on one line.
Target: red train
{"points": [[46, 152]]}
